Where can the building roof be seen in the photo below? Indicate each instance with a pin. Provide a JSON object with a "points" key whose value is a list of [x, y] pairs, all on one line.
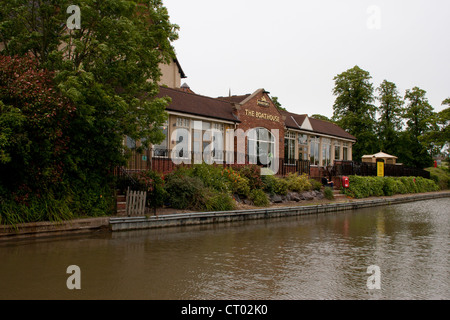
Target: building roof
{"points": [[325, 127], [194, 104], [221, 108], [182, 74], [296, 121], [380, 155], [234, 99]]}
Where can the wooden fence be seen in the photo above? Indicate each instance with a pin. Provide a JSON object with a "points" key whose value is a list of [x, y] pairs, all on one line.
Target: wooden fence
{"points": [[348, 168], [135, 203]]}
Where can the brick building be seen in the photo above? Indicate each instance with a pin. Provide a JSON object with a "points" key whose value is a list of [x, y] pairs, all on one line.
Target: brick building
{"points": [[240, 129]]}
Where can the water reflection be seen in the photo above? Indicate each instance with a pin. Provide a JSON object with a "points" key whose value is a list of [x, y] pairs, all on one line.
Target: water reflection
{"points": [[315, 257]]}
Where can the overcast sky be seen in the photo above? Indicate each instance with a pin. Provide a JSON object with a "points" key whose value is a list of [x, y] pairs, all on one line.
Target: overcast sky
{"points": [[294, 49]]}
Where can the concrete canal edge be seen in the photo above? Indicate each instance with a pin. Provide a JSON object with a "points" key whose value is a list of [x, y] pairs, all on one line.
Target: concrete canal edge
{"points": [[185, 219], [50, 229], [114, 224]]}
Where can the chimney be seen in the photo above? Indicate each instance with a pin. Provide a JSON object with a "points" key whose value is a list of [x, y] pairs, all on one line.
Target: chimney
{"points": [[186, 88]]}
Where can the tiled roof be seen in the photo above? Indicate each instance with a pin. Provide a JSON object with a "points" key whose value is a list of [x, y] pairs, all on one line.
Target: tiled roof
{"points": [[222, 108], [295, 121], [325, 127], [195, 104], [234, 99]]}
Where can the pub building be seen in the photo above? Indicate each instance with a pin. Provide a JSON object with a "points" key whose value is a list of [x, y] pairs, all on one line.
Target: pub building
{"points": [[227, 127]]}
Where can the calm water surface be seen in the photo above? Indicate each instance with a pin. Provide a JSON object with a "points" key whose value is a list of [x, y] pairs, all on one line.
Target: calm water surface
{"points": [[323, 256]]}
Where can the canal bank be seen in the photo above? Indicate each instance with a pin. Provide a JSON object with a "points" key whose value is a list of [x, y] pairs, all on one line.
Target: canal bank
{"points": [[115, 224]]}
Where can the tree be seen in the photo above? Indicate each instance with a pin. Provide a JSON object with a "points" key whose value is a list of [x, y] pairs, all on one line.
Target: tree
{"points": [[34, 119], [108, 69], [390, 120], [321, 117], [418, 112], [277, 104], [353, 109], [440, 136], [419, 119]]}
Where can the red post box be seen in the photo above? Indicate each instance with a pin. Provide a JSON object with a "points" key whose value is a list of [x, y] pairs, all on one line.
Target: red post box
{"points": [[345, 182]]}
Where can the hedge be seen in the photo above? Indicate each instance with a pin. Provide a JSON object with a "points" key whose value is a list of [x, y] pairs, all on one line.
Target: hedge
{"points": [[364, 187]]}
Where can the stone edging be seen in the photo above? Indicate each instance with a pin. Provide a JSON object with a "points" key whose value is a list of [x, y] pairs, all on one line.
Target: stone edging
{"points": [[184, 219], [89, 225]]}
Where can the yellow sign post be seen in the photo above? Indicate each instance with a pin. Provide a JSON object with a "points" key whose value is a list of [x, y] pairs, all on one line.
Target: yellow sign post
{"points": [[380, 169]]}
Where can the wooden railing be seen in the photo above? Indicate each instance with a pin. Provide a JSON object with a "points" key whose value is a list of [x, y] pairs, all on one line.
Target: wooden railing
{"points": [[160, 161]]}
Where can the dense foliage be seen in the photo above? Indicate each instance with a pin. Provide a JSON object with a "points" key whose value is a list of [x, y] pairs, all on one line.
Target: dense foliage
{"points": [[69, 97], [405, 126]]}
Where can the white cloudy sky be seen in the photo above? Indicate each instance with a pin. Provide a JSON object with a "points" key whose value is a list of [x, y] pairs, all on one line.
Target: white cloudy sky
{"points": [[294, 49]]}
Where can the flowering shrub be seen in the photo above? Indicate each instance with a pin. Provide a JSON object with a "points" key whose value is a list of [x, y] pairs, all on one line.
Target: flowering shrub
{"points": [[153, 183], [33, 122], [238, 184], [253, 174]]}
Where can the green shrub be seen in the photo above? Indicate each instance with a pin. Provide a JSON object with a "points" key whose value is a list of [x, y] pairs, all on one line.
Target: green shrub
{"points": [[298, 183], [315, 185], [184, 192], [259, 198], [217, 201], [363, 187], [441, 176], [211, 176], [281, 187], [328, 193], [390, 186], [269, 183]]}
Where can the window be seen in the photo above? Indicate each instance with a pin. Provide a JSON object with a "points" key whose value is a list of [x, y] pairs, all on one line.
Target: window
{"points": [[181, 150], [131, 143], [337, 150], [261, 146], [219, 126], [289, 148], [326, 151], [218, 141], [314, 152], [183, 122], [345, 151], [161, 150], [302, 147]]}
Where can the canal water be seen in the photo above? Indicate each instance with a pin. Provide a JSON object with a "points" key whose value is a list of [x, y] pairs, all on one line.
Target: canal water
{"points": [[323, 256]]}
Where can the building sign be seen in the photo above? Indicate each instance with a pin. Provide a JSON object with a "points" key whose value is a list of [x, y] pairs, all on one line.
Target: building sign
{"points": [[380, 169], [261, 115], [263, 102]]}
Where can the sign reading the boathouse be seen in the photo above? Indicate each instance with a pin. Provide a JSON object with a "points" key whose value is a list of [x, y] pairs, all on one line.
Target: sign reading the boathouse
{"points": [[263, 102], [261, 115]]}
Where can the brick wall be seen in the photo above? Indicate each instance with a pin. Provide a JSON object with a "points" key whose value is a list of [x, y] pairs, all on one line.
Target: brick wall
{"points": [[253, 116]]}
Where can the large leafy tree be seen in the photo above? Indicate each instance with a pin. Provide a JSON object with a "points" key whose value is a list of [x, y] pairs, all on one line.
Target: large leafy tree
{"points": [[419, 116], [440, 137], [390, 116], [108, 69], [353, 109]]}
